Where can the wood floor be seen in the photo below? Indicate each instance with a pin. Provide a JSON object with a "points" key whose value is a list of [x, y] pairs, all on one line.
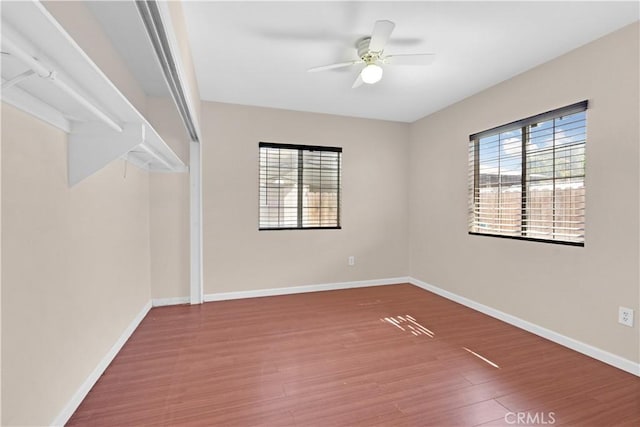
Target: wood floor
{"points": [[380, 356]]}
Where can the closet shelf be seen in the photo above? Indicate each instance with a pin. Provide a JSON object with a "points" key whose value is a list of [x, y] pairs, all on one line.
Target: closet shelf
{"points": [[46, 74]]}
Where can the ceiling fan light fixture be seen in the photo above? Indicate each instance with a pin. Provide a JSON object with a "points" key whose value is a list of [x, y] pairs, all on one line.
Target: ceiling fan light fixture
{"points": [[371, 53], [371, 74]]}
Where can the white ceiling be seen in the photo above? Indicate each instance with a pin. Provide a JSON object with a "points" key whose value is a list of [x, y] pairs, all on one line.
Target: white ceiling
{"points": [[257, 53]]}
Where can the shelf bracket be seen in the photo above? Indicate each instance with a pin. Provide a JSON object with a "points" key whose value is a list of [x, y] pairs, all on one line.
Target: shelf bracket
{"points": [[92, 146]]}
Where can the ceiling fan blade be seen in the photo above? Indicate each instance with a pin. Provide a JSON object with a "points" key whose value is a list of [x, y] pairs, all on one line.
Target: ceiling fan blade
{"points": [[410, 59], [358, 82], [381, 32], [332, 66]]}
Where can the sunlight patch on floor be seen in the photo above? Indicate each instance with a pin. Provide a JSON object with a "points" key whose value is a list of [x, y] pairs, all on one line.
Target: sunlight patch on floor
{"points": [[482, 358], [410, 323]]}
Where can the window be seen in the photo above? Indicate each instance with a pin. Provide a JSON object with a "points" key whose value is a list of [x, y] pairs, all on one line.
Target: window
{"points": [[526, 179], [299, 186]]}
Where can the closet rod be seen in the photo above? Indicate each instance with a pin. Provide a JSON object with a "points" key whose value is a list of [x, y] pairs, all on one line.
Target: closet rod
{"points": [[17, 79], [14, 50]]}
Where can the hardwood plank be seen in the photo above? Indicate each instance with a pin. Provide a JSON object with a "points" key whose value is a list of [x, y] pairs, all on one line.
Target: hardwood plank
{"points": [[380, 356], [469, 415]]}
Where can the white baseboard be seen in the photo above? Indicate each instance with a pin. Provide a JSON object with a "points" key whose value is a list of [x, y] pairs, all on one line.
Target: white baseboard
{"points": [[222, 296], [161, 302], [86, 386], [589, 350]]}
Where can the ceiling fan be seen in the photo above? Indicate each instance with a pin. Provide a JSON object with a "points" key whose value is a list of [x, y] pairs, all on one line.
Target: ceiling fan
{"points": [[371, 52]]}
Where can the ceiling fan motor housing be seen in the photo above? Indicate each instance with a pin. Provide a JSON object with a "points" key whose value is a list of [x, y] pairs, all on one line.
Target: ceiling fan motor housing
{"points": [[364, 53]]}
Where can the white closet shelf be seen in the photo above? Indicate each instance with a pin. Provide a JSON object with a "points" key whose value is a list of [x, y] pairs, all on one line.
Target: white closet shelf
{"points": [[46, 74]]}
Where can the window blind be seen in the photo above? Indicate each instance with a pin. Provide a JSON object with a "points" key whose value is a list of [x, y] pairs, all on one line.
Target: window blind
{"points": [[299, 186], [527, 178]]}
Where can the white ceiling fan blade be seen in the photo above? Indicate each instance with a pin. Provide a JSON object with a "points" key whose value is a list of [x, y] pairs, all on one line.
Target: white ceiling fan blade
{"points": [[410, 59], [333, 66], [381, 32], [358, 81]]}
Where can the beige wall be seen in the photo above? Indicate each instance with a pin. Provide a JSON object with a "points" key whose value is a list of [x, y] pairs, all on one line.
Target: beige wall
{"points": [[169, 207], [238, 257], [76, 267], [163, 115], [571, 290], [169, 234]]}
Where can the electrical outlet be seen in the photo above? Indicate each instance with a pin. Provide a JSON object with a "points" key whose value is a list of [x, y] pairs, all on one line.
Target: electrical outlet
{"points": [[352, 260], [625, 316]]}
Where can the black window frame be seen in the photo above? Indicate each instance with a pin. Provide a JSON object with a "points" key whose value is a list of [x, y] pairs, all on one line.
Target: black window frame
{"points": [[474, 172], [301, 148]]}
